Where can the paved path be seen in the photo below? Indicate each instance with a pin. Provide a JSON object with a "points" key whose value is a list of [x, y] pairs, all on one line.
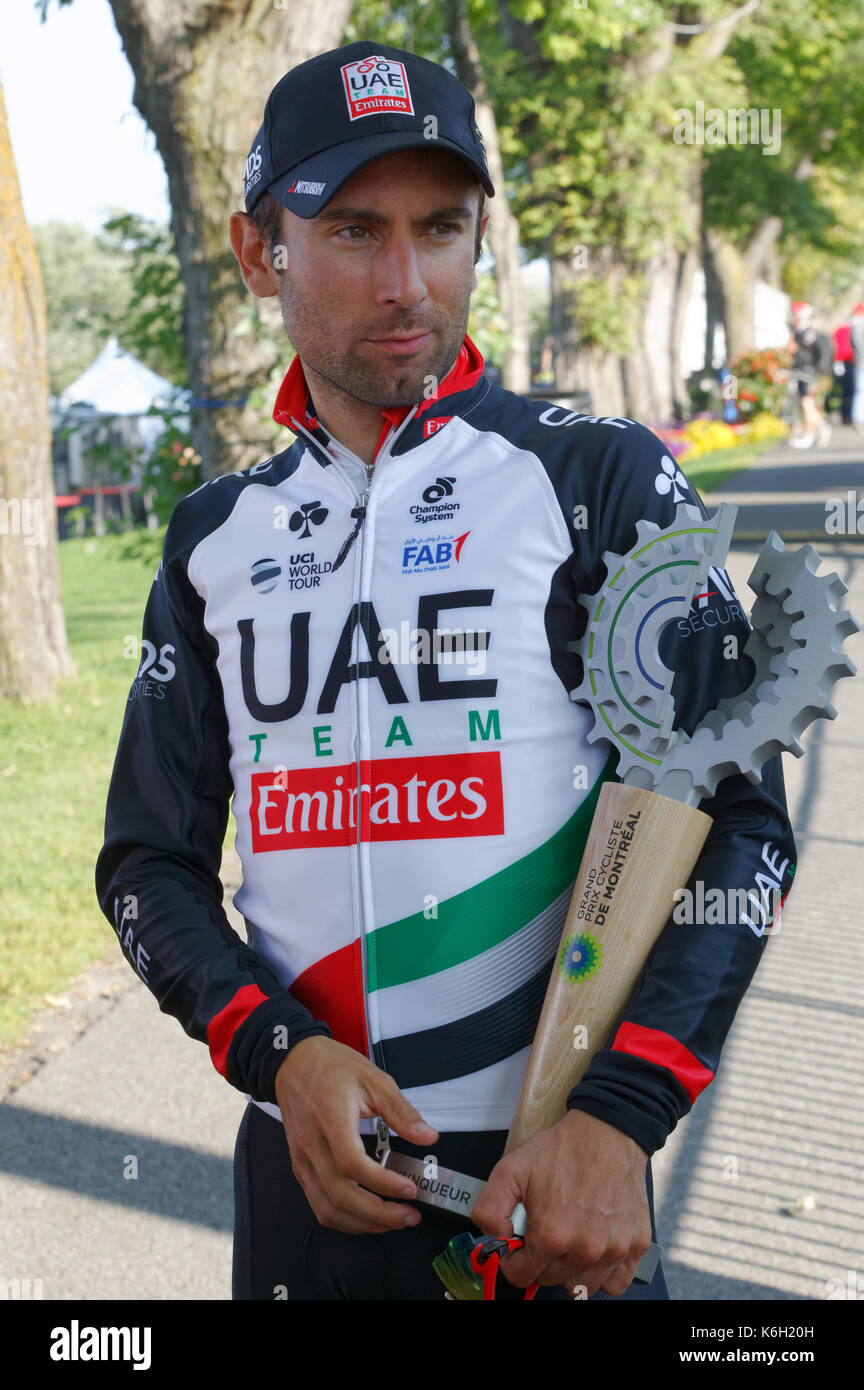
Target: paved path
{"points": [[782, 1122], [787, 489]]}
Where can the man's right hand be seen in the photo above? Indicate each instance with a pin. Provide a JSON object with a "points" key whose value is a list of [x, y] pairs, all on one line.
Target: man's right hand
{"points": [[322, 1089]]}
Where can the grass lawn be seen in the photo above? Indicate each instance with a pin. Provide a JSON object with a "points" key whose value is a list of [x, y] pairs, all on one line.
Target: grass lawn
{"points": [[55, 764], [708, 471]]}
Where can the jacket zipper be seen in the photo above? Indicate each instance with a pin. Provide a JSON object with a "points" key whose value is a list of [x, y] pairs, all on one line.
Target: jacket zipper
{"points": [[360, 512], [362, 692], [361, 886]]}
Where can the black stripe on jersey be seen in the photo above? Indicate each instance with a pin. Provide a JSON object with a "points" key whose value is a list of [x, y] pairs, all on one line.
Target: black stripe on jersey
{"points": [[467, 1044]]}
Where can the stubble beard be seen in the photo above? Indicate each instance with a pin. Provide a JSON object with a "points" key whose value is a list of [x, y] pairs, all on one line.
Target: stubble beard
{"points": [[386, 382]]}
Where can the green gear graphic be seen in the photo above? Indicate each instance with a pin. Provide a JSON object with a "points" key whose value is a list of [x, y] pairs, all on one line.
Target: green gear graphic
{"points": [[581, 957]]}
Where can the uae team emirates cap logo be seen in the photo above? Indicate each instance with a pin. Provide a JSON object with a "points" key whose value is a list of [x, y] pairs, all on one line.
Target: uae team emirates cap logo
{"points": [[376, 86]]}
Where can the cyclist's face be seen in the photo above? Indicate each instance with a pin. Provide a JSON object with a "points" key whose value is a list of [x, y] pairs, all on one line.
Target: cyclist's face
{"points": [[391, 254]]}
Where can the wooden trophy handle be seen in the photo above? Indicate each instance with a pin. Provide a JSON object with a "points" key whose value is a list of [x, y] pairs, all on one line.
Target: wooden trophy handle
{"points": [[641, 847]]}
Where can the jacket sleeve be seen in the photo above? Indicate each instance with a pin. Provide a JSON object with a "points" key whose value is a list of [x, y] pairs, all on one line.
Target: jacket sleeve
{"points": [[666, 1046], [157, 875]]}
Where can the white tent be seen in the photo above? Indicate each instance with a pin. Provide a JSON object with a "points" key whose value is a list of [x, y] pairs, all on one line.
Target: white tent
{"points": [[115, 383]]}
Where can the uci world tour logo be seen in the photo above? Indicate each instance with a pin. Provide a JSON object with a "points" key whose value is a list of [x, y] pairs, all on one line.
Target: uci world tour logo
{"points": [[265, 575], [308, 512]]}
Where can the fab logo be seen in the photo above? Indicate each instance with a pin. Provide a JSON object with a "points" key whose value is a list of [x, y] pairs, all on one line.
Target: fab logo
{"points": [[422, 554]]}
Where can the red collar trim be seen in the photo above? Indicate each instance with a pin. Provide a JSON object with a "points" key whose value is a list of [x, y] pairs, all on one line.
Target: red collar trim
{"points": [[294, 402]]}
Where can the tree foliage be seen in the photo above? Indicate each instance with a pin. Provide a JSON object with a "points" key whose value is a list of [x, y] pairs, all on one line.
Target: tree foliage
{"points": [[151, 323], [84, 285], [808, 64], [585, 99], [122, 281]]}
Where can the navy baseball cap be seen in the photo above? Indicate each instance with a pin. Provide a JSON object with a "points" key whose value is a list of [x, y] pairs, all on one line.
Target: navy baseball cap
{"points": [[335, 113]]}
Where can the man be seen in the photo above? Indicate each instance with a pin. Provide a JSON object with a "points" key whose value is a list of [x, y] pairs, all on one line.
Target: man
{"points": [[808, 367], [844, 369], [365, 638]]}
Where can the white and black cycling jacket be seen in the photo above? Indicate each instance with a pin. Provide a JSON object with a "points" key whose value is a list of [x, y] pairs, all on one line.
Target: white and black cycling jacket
{"points": [[378, 673]]}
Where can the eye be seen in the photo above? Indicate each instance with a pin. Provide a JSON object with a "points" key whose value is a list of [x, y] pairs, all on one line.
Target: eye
{"points": [[356, 227]]}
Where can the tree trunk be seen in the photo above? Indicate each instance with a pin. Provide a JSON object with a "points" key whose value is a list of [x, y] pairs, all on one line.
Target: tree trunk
{"points": [[658, 343], [203, 70], [639, 401], [34, 654], [670, 275], [732, 270], [503, 229], [688, 264], [738, 269], [581, 366], [715, 312]]}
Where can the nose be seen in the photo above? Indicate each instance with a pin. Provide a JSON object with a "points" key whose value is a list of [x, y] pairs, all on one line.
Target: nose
{"points": [[396, 272]]}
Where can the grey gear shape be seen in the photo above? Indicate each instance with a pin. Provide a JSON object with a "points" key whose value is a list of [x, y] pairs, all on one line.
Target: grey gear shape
{"points": [[796, 646], [624, 682]]}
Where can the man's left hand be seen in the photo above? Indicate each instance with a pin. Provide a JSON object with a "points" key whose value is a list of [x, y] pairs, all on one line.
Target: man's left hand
{"points": [[582, 1183]]}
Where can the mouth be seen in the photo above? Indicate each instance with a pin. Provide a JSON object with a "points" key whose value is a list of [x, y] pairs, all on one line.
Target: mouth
{"points": [[401, 344]]}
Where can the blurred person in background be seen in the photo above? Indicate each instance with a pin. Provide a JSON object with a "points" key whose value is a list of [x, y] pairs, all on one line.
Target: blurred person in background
{"points": [[844, 369], [808, 365], [856, 338]]}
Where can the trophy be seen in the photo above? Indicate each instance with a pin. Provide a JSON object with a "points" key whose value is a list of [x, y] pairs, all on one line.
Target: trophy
{"points": [[647, 831]]}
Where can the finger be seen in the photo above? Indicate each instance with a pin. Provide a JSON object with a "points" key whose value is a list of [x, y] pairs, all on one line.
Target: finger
{"points": [[344, 1194], [402, 1117], [338, 1130], [613, 1273], [580, 1281], [620, 1279], [353, 1162], [522, 1267], [383, 1097], [552, 1255], [494, 1207], [343, 1205]]}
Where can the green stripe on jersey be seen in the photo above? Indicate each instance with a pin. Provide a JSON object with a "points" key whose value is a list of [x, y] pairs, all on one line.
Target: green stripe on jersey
{"points": [[487, 913]]}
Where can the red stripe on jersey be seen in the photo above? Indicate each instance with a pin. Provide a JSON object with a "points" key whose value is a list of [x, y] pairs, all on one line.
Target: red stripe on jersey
{"points": [[666, 1051], [223, 1026], [332, 990]]}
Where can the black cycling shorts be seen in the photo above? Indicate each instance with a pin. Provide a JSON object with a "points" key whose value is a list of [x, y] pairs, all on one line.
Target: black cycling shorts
{"points": [[281, 1251]]}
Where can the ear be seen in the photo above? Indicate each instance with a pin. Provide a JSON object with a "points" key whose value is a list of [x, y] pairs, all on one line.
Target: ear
{"points": [[483, 222], [253, 255]]}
